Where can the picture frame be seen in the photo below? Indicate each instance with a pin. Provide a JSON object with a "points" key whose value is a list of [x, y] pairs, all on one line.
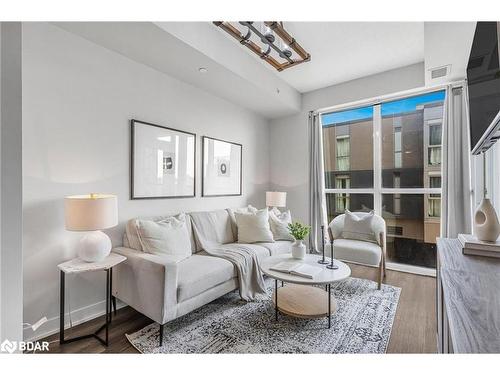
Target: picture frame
{"points": [[162, 162], [222, 168]]}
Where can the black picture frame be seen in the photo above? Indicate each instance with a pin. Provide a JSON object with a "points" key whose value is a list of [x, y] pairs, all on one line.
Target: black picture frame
{"points": [[203, 194], [133, 196]]}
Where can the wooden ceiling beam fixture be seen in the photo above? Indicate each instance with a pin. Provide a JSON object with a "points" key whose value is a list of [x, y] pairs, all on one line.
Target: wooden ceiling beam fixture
{"points": [[285, 36], [278, 29], [252, 46]]}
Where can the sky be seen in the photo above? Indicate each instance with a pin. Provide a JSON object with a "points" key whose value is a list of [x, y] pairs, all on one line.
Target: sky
{"points": [[388, 108]]}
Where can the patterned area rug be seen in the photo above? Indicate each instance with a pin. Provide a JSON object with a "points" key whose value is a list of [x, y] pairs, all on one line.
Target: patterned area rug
{"points": [[361, 324]]}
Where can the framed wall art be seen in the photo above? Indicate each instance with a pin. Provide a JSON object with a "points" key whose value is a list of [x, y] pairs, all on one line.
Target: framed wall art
{"points": [[221, 167], [162, 162]]}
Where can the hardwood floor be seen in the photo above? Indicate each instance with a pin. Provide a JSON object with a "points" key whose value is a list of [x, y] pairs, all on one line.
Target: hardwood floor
{"points": [[414, 329]]}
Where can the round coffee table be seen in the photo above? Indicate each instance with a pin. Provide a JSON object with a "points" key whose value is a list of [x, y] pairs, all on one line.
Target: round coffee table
{"points": [[300, 298]]}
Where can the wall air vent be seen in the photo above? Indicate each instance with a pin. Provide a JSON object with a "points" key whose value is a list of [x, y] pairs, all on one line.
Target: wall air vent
{"points": [[440, 72]]}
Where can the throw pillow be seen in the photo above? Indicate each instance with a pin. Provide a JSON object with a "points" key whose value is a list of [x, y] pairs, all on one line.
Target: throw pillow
{"points": [[278, 222], [241, 210], [358, 228], [131, 237], [167, 237], [253, 227]]}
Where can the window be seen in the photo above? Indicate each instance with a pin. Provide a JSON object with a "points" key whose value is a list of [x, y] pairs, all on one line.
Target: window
{"points": [[397, 197], [398, 160], [339, 131], [393, 167], [342, 199], [434, 200], [343, 152], [395, 231], [355, 202], [434, 148]]}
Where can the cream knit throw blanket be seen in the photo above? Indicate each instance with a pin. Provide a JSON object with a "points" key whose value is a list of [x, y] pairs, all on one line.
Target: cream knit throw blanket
{"points": [[243, 257]]}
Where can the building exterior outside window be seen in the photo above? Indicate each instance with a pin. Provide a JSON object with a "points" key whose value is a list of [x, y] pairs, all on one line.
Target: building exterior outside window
{"points": [[397, 197], [342, 199], [343, 152], [434, 205], [434, 147], [397, 147]]}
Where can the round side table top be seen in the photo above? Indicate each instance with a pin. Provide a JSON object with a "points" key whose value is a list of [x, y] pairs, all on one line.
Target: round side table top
{"points": [[327, 276]]}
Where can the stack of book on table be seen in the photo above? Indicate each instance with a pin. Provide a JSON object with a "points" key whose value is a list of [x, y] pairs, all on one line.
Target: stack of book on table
{"points": [[472, 246]]}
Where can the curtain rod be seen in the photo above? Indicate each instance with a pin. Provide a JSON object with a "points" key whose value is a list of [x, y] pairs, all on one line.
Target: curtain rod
{"points": [[387, 97]]}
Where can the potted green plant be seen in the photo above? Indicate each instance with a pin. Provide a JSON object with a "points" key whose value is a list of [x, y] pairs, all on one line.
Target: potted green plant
{"points": [[299, 231]]}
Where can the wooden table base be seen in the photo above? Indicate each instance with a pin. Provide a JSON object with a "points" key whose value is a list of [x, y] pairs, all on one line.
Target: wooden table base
{"points": [[302, 301]]}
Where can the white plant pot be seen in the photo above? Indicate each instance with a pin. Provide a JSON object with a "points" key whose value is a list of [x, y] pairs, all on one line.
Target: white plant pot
{"points": [[298, 249], [486, 225]]}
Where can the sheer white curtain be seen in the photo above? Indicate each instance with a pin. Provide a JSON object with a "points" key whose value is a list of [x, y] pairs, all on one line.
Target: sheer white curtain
{"points": [[456, 184], [317, 204]]}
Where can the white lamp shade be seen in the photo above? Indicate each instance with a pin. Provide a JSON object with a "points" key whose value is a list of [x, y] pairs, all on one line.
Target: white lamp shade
{"points": [[275, 199], [90, 212]]}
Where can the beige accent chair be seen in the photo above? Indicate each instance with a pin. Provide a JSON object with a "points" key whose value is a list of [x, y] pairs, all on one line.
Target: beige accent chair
{"points": [[361, 252]]}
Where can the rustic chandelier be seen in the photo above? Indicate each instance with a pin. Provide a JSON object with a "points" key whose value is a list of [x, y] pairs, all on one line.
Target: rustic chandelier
{"points": [[269, 40]]}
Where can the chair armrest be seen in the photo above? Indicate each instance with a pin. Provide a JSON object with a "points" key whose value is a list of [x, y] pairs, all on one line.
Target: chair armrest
{"points": [[378, 227], [336, 226], [148, 283]]}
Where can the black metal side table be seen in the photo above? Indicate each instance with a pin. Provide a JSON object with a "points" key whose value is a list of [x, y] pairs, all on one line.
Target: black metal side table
{"points": [[79, 266]]}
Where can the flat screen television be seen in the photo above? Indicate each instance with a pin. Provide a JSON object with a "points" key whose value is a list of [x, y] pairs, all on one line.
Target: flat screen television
{"points": [[483, 76]]}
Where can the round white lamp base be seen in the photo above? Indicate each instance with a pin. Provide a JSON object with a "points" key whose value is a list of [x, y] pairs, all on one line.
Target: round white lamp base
{"points": [[94, 246]]}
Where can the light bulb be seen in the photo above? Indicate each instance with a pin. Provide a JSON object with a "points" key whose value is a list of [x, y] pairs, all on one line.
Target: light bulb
{"points": [[286, 52], [268, 36]]}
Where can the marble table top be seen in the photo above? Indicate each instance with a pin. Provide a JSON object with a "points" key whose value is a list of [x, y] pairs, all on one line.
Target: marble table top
{"points": [[77, 265]]}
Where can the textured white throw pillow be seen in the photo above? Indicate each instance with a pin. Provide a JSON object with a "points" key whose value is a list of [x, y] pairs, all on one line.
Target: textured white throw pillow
{"points": [[253, 226], [278, 222], [358, 228], [167, 237], [241, 210]]}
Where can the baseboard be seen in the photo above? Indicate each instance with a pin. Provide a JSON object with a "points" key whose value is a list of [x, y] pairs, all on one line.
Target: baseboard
{"points": [[417, 270], [399, 267], [78, 316]]}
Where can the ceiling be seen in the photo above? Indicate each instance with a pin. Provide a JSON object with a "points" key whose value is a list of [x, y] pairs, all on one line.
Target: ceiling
{"points": [[342, 51], [242, 81]]}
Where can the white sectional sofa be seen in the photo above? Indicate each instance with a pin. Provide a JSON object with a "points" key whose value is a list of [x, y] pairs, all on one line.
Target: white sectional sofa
{"points": [[163, 288]]}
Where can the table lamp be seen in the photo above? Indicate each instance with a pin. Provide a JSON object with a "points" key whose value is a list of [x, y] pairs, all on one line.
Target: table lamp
{"points": [[275, 199], [91, 213]]}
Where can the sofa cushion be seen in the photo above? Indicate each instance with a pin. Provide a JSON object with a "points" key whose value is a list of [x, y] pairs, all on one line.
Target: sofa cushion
{"points": [[241, 210], [279, 224], [167, 237], [131, 239], [201, 272], [278, 247], [253, 227], [356, 251], [211, 228]]}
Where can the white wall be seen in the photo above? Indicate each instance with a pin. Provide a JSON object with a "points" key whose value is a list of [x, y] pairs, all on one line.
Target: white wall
{"points": [[289, 169], [447, 44], [11, 281], [78, 99]]}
